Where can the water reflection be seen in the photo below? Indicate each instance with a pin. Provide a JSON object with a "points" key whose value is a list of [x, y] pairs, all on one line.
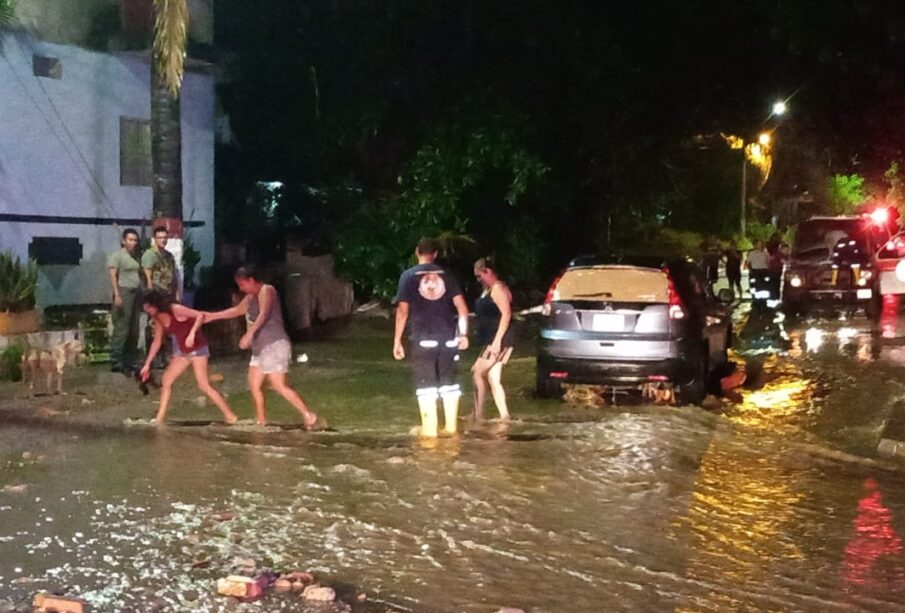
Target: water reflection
{"points": [[874, 539], [742, 516]]}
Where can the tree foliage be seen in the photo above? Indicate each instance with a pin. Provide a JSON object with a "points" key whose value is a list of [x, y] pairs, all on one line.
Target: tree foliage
{"points": [[467, 169], [845, 193]]}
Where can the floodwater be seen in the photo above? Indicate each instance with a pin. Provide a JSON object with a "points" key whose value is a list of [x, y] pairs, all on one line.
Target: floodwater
{"points": [[775, 502]]}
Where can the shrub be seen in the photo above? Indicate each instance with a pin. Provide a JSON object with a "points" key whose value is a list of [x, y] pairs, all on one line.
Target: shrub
{"points": [[11, 363], [18, 284]]}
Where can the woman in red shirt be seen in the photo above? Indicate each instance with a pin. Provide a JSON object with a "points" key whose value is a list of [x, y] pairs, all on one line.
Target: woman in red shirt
{"points": [[189, 347]]}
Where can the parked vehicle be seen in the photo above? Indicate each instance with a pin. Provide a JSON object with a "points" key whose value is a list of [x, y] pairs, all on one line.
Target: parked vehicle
{"points": [[632, 322], [833, 262], [891, 266]]}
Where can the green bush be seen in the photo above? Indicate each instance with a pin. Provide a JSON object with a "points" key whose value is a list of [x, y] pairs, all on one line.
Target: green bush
{"points": [[11, 363], [18, 284]]}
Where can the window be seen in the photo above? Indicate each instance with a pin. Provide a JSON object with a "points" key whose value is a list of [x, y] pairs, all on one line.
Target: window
{"points": [[49, 250], [134, 152], [48, 67]]}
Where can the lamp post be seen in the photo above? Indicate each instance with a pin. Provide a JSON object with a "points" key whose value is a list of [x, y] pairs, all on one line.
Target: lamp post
{"points": [[744, 188], [764, 139]]}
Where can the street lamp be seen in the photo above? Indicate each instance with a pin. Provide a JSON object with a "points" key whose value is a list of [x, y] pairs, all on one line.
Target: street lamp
{"points": [[780, 108]]}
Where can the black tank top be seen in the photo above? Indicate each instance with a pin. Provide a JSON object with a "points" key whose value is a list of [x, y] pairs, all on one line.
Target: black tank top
{"points": [[488, 319]]}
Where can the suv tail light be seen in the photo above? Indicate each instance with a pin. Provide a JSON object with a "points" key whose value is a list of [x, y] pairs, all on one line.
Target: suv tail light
{"points": [[676, 306], [547, 309]]}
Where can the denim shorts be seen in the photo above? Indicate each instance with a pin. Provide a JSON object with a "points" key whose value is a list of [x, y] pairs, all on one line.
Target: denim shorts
{"points": [[201, 352]]}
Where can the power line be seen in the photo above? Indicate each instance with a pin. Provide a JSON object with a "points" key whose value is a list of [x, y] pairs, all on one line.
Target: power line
{"points": [[96, 185]]}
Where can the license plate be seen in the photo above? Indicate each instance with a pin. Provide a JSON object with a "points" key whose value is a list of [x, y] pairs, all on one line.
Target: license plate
{"points": [[608, 322], [864, 294]]}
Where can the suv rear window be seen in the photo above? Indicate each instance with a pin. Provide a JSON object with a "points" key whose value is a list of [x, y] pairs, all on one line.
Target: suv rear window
{"points": [[613, 283], [819, 237]]}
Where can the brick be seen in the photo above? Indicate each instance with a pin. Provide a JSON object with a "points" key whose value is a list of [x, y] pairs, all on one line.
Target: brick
{"points": [[238, 586], [58, 604]]}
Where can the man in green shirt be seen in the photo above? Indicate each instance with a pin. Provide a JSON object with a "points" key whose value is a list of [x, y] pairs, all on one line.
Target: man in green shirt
{"points": [[124, 271], [159, 265], [159, 268]]}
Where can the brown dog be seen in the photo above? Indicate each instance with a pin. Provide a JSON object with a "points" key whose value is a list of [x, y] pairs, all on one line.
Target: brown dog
{"points": [[37, 362]]}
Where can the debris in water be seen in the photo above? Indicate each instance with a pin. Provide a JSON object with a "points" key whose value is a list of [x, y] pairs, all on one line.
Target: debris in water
{"points": [[15, 489], [319, 593], [242, 587]]}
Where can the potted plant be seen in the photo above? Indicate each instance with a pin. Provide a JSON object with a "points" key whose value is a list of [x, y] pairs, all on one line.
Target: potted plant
{"points": [[18, 286]]}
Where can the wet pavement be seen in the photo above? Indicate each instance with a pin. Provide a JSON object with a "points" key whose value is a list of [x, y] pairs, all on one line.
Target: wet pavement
{"points": [[776, 501]]}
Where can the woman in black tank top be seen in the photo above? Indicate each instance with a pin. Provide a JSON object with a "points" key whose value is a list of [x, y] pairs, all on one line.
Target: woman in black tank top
{"points": [[493, 311]]}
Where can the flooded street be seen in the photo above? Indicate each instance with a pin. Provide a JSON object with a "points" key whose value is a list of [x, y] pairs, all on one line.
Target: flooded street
{"points": [[775, 502]]}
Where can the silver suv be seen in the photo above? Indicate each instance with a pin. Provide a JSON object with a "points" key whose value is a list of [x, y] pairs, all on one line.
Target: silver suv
{"points": [[630, 323]]}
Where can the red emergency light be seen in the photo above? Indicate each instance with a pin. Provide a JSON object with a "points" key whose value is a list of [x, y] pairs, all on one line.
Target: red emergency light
{"points": [[880, 216]]}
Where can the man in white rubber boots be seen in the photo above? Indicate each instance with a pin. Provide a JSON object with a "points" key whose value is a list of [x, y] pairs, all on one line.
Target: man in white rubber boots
{"points": [[431, 300]]}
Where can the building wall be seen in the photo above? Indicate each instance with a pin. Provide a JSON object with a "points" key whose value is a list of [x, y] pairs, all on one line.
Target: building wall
{"points": [[60, 159], [76, 22]]}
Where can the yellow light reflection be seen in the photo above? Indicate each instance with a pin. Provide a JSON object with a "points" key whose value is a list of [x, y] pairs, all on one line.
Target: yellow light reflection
{"points": [[783, 394]]}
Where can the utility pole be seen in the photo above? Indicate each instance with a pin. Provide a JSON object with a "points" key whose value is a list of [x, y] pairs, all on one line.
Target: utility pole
{"points": [[744, 189]]}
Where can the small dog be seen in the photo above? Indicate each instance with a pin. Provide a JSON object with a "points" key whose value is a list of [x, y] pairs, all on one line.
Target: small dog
{"points": [[37, 362]]}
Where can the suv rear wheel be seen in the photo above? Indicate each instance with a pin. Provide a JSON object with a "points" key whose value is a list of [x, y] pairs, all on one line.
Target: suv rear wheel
{"points": [[547, 387]]}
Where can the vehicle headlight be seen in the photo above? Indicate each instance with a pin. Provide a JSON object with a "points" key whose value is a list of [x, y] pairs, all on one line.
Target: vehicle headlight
{"points": [[795, 281]]}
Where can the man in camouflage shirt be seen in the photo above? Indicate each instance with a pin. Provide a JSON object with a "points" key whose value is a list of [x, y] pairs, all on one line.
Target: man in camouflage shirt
{"points": [[159, 267]]}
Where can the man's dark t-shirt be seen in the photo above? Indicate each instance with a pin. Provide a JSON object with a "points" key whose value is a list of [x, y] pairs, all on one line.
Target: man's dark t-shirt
{"points": [[429, 291]]}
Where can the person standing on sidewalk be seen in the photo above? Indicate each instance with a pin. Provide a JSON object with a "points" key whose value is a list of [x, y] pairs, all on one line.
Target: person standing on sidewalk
{"points": [[711, 262], [123, 270], [734, 270], [758, 266], [271, 350], [159, 267], [433, 302]]}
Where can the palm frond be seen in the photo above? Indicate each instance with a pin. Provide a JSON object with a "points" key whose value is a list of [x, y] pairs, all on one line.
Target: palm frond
{"points": [[6, 12], [170, 39]]}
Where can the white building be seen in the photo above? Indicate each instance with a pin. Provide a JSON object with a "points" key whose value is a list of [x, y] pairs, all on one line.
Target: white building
{"points": [[75, 160]]}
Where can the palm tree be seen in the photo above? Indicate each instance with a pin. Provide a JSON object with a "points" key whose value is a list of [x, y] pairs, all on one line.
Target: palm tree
{"points": [[167, 66]]}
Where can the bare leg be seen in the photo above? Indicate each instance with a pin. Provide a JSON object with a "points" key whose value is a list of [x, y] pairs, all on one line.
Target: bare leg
{"points": [[479, 375], [199, 365], [256, 387], [175, 368], [495, 375], [278, 383]]}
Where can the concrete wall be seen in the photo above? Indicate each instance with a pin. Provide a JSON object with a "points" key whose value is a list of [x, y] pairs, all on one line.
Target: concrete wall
{"points": [[60, 152], [72, 21]]}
